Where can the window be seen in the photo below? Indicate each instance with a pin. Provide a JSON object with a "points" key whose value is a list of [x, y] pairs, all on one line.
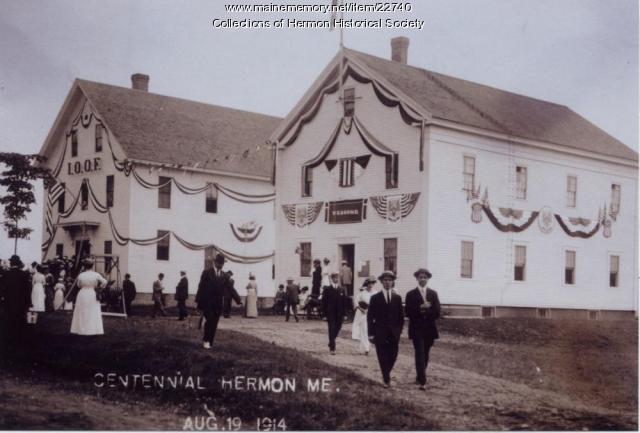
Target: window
{"points": [[162, 247], [74, 143], [61, 203], [466, 259], [346, 172], [391, 254], [614, 269], [521, 182], [572, 188], [110, 186], [569, 267], [164, 192], [349, 101], [307, 181], [615, 199], [211, 200], [59, 250], [305, 259], [520, 263], [84, 197], [99, 138], [469, 173], [108, 250], [391, 171], [209, 257]]}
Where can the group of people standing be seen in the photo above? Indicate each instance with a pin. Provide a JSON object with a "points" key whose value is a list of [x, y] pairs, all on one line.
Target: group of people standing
{"points": [[380, 316]]}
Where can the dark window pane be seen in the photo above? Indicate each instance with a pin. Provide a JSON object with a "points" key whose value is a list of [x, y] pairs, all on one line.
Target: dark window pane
{"points": [[162, 248], [164, 192]]}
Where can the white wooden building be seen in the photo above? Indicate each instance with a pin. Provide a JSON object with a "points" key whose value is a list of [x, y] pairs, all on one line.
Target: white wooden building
{"points": [[516, 205], [162, 183]]}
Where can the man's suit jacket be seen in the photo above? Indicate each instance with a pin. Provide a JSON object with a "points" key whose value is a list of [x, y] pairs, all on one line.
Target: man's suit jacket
{"points": [[182, 289], [292, 294], [316, 280], [333, 301], [129, 290], [15, 288], [211, 289], [422, 323], [384, 318]]}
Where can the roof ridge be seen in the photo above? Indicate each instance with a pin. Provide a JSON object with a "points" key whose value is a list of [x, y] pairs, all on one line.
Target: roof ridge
{"points": [[191, 101]]}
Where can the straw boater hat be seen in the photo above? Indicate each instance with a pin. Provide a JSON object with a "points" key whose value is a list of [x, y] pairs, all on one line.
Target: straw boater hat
{"points": [[326, 260], [289, 278], [389, 274], [422, 271], [334, 273]]}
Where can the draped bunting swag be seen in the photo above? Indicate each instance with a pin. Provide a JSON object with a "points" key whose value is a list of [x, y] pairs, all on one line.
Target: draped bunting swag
{"points": [[302, 215], [394, 207], [246, 232]]}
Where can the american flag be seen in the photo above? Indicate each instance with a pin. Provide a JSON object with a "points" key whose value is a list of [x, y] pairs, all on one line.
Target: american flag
{"points": [[346, 172]]}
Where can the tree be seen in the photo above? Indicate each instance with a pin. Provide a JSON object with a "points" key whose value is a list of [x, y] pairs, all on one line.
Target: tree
{"points": [[17, 179]]}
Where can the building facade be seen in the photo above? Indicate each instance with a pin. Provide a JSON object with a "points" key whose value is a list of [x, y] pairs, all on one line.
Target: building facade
{"points": [[517, 206], [160, 184]]}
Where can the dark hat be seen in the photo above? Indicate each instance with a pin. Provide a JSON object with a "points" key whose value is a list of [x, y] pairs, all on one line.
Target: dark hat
{"points": [[230, 272], [369, 280], [422, 271], [219, 259], [316, 260], [87, 262], [387, 274], [326, 260], [15, 261]]}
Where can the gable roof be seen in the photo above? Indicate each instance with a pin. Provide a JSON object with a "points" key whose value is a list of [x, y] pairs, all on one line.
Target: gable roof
{"points": [[164, 129], [485, 107]]}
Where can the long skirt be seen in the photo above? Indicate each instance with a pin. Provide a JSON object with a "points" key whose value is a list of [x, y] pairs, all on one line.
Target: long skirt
{"points": [[58, 299], [87, 315], [360, 331], [38, 297], [252, 303]]}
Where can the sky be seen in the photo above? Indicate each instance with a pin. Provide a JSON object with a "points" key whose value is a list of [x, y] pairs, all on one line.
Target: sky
{"points": [[579, 53]]}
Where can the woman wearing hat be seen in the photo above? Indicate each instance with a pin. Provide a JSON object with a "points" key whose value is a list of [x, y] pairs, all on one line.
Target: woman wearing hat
{"points": [[87, 314], [252, 297], [38, 295], [359, 329], [58, 300]]}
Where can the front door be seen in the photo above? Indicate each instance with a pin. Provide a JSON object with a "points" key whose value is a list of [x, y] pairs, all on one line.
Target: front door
{"points": [[348, 254]]}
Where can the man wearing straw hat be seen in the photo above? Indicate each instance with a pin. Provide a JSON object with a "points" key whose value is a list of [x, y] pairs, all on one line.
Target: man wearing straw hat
{"points": [[423, 308], [385, 320]]}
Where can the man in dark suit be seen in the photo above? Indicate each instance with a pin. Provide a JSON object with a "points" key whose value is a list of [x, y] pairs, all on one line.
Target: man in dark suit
{"points": [[385, 320], [423, 308], [333, 301], [15, 295], [213, 283], [129, 292], [316, 278], [292, 299], [230, 294], [182, 293]]}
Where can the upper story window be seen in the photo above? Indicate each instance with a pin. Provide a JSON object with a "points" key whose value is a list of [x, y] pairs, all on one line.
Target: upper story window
{"points": [[110, 190], [391, 172], [391, 254], [569, 267], [349, 101], [615, 198], [307, 181], [614, 269], [469, 173], [84, 197], [347, 177], [520, 262], [162, 247], [305, 259], [572, 190], [466, 259], [521, 182], [74, 143], [164, 192], [211, 200], [61, 200], [99, 133]]}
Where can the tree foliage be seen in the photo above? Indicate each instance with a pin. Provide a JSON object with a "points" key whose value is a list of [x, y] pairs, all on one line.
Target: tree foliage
{"points": [[21, 171]]}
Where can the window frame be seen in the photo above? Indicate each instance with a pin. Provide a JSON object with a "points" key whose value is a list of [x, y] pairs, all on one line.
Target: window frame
{"points": [[349, 101], [569, 192], [99, 137], [304, 261], [524, 267], [617, 274], [618, 203], [211, 200], [164, 243], [385, 257], [84, 197], [110, 192], [62, 198], [60, 250], [164, 191], [567, 269], [74, 143], [465, 173], [391, 165], [462, 259], [526, 182], [307, 181]]}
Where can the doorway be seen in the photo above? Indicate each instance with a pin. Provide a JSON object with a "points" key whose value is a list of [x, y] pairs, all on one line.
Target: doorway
{"points": [[83, 248], [347, 254]]}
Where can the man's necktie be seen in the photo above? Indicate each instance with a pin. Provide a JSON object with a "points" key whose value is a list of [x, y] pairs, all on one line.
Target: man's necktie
{"points": [[388, 297]]}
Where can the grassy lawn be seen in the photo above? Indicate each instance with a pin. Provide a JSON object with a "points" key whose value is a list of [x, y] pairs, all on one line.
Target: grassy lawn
{"points": [[54, 365]]}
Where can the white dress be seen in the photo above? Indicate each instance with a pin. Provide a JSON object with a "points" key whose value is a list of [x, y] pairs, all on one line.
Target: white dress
{"points": [[359, 329], [326, 277], [37, 292], [58, 299], [87, 314]]}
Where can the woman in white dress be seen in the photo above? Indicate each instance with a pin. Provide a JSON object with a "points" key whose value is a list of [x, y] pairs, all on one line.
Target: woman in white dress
{"points": [[37, 291], [326, 271], [87, 314], [58, 299], [359, 329], [252, 297]]}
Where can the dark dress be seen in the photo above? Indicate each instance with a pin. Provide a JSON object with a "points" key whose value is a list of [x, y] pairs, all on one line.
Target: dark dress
{"points": [[316, 281], [333, 301], [15, 293], [385, 321]]}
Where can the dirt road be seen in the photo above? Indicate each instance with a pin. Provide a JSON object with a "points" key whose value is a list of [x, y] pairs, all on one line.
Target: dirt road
{"points": [[458, 398]]}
